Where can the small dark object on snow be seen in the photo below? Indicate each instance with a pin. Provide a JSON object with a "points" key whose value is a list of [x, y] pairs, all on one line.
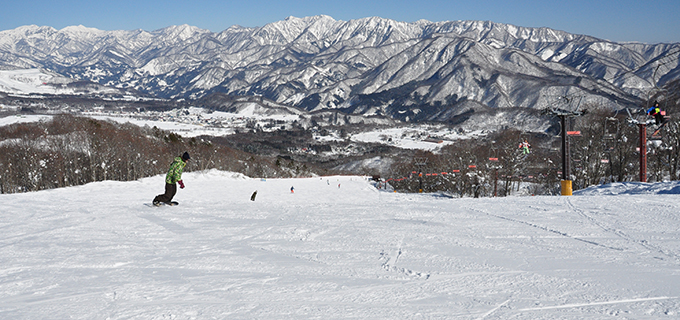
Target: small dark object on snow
{"points": [[169, 203], [252, 198]]}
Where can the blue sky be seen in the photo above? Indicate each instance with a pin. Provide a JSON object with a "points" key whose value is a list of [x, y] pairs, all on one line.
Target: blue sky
{"points": [[650, 21]]}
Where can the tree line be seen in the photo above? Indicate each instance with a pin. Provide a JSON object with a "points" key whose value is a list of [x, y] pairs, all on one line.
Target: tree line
{"points": [[69, 150], [605, 151]]}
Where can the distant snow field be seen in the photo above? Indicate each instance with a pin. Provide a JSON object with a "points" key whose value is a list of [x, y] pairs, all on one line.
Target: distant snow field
{"points": [[337, 248], [5, 121], [422, 137], [32, 81]]}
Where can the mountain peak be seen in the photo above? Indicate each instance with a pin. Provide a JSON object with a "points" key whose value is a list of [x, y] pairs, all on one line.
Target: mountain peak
{"points": [[181, 33], [80, 29], [182, 29], [310, 19], [28, 30]]}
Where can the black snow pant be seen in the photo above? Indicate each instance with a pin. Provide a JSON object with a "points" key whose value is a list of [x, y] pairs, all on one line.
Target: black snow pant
{"points": [[658, 118], [170, 191]]}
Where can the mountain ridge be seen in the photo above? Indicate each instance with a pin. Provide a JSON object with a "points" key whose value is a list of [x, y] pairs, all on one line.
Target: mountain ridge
{"points": [[410, 71]]}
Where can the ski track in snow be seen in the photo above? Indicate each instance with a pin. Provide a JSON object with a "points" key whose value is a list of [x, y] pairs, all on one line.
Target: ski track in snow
{"points": [[98, 252], [623, 235], [564, 234]]}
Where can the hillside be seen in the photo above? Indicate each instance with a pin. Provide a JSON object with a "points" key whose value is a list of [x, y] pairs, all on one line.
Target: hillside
{"points": [[337, 248]]}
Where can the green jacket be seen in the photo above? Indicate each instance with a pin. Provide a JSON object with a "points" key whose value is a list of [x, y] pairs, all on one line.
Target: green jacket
{"points": [[175, 171]]}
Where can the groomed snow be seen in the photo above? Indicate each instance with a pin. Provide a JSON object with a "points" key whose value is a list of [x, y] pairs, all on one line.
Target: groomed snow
{"points": [[337, 248]]}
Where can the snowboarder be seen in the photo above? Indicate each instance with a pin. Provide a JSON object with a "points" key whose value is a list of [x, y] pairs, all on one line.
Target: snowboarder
{"points": [[525, 146], [173, 178], [252, 197], [656, 112], [292, 190]]}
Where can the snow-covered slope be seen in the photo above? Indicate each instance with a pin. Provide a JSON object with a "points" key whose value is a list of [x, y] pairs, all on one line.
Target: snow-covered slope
{"points": [[44, 82], [336, 248], [632, 188], [34, 81]]}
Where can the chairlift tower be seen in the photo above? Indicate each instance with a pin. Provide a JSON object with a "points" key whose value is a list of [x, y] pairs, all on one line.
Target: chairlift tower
{"points": [[642, 125], [611, 131], [420, 162], [494, 161], [564, 114]]}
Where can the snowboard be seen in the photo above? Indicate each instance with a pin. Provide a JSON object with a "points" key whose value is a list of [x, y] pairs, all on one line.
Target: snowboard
{"points": [[663, 124], [171, 203]]}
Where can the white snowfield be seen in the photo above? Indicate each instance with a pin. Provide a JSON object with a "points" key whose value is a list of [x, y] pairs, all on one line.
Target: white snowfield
{"points": [[337, 248], [27, 81]]}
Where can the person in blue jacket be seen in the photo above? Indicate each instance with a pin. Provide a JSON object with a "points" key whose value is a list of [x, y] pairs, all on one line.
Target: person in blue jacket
{"points": [[656, 112]]}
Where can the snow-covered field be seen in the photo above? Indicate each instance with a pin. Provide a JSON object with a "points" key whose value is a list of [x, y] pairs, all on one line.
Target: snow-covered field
{"points": [[337, 248], [33, 81], [422, 137], [5, 121]]}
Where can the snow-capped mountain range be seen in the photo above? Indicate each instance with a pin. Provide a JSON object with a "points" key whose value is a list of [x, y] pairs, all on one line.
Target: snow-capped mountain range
{"points": [[373, 66]]}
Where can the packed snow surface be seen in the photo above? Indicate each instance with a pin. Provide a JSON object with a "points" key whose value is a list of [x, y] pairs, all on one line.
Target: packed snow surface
{"points": [[337, 248]]}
